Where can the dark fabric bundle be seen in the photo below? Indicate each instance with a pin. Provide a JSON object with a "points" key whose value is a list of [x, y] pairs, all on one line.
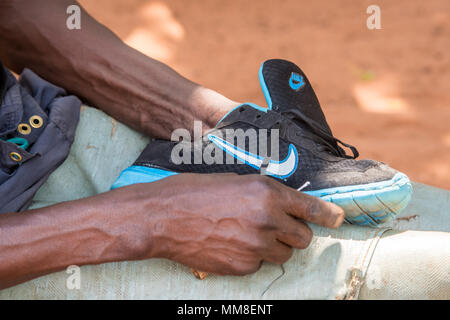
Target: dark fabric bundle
{"points": [[37, 127]]}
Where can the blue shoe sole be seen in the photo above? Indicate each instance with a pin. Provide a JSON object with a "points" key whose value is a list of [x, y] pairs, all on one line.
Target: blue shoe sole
{"points": [[368, 204]]}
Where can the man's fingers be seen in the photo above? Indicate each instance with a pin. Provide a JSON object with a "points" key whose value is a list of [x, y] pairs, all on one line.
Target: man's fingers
{"points": [[294, 232], [279, 253], [312, 209]]}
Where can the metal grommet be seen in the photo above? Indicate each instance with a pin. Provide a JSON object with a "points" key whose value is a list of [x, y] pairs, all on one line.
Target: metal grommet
{"points": [[15, 156], [36, 121], [24, 129]]}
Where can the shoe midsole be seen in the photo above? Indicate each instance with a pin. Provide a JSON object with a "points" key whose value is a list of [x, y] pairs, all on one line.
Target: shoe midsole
{"points": [[141, 174], [398, 179]]}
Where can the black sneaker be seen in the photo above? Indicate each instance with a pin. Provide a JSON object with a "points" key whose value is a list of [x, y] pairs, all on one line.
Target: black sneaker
{"points": [[310, 157]]}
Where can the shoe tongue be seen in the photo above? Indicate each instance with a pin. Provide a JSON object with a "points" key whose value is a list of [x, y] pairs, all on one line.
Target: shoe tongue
{"points": [[285, 87]]}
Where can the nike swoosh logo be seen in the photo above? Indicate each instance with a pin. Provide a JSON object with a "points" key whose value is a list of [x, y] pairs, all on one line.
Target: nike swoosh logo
{"points": [[296, 81], [280, 169]]}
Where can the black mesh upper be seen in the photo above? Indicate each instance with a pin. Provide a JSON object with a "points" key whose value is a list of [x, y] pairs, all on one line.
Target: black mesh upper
{"points": [[310, 167]]}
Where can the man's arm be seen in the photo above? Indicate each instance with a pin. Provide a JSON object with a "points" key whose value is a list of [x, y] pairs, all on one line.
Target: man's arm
{"points": [[246, 220], [96, 65]]}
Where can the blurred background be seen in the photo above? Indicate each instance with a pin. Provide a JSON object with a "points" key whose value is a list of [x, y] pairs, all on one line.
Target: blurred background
{"points": [[385, 91]]}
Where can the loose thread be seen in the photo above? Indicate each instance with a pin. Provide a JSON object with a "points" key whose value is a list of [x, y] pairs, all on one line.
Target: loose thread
{"points": [[307, 183], [273, 281]]}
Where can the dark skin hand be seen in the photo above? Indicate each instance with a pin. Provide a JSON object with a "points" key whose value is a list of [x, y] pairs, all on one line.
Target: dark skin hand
{"points": [[246, 220], [221, 223]]}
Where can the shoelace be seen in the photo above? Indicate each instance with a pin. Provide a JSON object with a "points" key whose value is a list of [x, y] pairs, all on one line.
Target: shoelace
{"points": [[21, 142], [326, 140]]}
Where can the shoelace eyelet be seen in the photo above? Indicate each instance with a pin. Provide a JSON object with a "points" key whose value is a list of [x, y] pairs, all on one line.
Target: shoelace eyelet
{"points": [[36, 121], [15, 156], [24, 129]]}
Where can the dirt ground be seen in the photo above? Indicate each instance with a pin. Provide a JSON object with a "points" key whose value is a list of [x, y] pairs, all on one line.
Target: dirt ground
{"points": [[385, 91]]}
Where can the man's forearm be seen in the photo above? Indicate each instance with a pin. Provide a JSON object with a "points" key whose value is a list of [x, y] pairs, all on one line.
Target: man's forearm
{"points": [[88, 231], [225, 228], [96, 65]]}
